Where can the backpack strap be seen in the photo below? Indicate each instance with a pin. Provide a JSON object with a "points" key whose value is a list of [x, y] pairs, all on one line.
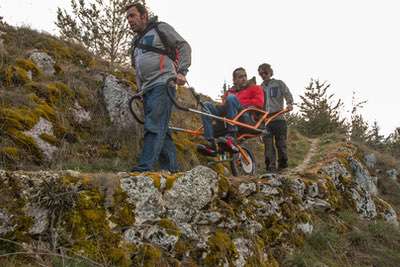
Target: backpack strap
{"points": [[168, 51]]}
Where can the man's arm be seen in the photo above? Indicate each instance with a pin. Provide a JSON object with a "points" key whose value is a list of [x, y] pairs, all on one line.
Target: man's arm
{"points": [[184, 50], [287, 95], [133, 63]]}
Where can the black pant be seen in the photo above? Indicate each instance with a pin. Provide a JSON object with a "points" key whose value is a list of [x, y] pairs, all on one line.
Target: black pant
{"points": [[275, 141]]}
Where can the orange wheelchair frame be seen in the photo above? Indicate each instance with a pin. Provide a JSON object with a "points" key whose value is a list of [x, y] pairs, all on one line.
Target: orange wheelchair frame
{"points": [[242, 162]]}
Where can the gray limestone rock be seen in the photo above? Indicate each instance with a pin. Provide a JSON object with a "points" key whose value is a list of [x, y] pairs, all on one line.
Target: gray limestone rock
{"points": [[246, 189], [43, 127], [5, 223], [40, 219], [392, 174], [116, 97], [363, 178], [370, 160], [190, 193], [336, 171], [243, 249], [298, 187], [312, 190], [146, 197], [268, 190], [44, 62], [317, 204], [306, 228], [80, 114], [365, 206]]}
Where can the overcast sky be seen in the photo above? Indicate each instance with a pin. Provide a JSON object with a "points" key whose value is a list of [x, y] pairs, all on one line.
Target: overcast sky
{"points": [[352, 44]]}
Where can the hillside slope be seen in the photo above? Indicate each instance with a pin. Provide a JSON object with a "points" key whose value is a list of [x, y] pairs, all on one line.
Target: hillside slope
{"points": [[67, 141]]}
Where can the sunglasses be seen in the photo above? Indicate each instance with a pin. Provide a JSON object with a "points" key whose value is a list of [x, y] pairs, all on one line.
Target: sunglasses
{"points": [[263, 73]]}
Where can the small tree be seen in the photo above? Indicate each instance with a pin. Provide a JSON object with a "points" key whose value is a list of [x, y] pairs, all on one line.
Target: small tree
{"points": [[392, 143], [319, 114], [374, 138], [100, 26], [359, 127]]}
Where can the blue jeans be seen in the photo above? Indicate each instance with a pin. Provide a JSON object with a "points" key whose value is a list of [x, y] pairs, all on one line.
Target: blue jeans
{"points": [[229, 109], [158, 144]]}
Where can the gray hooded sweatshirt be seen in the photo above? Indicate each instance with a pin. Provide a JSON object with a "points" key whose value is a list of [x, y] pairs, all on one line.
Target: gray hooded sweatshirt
{"points": [[275, 92], [153, 68]]}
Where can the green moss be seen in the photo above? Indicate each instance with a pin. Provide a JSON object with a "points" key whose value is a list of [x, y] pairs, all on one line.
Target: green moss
{"points": [[186, 150], [9, 153], [182, 248], [92, 235], [58, 91], [50, 139], [46, 111], [13, 203], [223, 186], [17, 118], [381, 205], [156, 177], [55, 93], [128, 77], [334, 198], [106, 152], [26, 142], [221, 249], [28, 65], [170, 227], [218, 168], [14, 75], [122, 211], [147, 256], [170, 181]]}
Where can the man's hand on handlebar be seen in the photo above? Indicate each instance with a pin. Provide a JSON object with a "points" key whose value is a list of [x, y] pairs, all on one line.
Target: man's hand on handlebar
{"points": [[180, 79]]}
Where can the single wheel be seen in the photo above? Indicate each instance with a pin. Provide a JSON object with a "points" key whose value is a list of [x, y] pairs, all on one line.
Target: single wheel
{"points": [[136, 108], [239, 165]]}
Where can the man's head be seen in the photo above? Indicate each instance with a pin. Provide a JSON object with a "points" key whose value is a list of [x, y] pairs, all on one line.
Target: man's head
{"points": [[265, 71], [137, 16], [239, 78]]}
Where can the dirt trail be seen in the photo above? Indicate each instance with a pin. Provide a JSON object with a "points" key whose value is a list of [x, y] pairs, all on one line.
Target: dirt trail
{"points": [[310, 154]]}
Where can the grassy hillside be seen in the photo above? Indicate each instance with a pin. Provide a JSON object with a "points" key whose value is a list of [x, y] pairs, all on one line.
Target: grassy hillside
{"points": [[91, 146]]}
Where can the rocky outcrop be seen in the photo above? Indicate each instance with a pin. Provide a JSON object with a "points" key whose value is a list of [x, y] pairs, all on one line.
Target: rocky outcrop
{"points": [[197, 216], [44, 62], [392, 174], [79, 114], [362, 177], [117, 94], [43, 127]]}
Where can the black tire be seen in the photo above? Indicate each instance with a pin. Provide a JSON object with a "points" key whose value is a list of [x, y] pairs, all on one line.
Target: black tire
{"points": [[136, 108], [239, 166]]}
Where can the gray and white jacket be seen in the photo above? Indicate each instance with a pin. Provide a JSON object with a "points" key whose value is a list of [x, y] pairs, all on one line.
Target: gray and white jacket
{"points": [[275, 91], [153, 68]]}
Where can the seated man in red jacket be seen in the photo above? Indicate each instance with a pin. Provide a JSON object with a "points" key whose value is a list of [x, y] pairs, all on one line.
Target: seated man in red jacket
{"points": [[242, 95]]}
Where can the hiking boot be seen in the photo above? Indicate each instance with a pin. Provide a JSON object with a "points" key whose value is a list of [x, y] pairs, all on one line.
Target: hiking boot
{"points": [[271, 170], [206, 151], [210, 149], [282, 166], [138, 169], [228, 143]]}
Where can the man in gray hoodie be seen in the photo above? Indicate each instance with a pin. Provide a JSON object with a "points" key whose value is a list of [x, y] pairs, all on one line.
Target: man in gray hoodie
{"points": [[159, 55], [275, 92]]}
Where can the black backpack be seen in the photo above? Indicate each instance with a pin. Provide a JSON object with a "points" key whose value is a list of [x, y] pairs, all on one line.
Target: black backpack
{"points": [[168, 51]]}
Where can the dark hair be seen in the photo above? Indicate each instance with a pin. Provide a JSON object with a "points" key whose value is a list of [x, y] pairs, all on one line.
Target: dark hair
{"points": [[139, 6], [266, 66], [236, 70]]}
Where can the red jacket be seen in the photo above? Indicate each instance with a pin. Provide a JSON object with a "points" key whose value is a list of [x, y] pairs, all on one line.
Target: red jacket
{"points": [[252, 95]]}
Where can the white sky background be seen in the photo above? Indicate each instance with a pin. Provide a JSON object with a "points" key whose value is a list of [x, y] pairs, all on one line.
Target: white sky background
{"points": [[352, 44]]}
